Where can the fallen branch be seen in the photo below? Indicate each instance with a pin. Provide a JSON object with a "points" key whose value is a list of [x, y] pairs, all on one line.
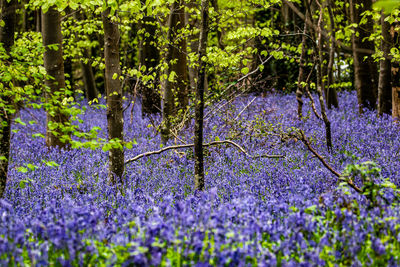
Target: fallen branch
{"points": [[306, 142], [240, 113], [241, 149]]}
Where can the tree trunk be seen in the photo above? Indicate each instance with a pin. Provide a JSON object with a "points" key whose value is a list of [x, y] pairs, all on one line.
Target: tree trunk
{"points": [[395, 76], [193, 40], [114, 98], [385, 75], [8, 15], [54, 65], [89, 81], [215, 5], [7, 32], [365, 70], [199, 107], [321, 83], [331, 94], [177, 63], [150, 57], [301, 78]]}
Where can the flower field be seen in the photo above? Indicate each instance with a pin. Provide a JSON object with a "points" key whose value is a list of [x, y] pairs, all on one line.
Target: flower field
{"points": [[257, 211]]}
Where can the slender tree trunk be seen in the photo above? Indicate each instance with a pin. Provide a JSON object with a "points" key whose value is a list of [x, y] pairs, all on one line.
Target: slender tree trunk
{"points": [[215, 5], [193, 41], [199, 108], [176, 86], [114, 97], [7, 32], [89, 81], [54, 65], [38, 20], [301, 78], [385, 75], [150, 58], [331, 94], [395, 75], [321, 84], [8, 15], [365, 70]]}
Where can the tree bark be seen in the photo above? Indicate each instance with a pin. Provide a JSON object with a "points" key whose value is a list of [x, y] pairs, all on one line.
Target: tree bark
{"points": [[89, 81], [301, 78], [177, 63], [54, 65], [199, 107], [395, 75], [7, 33], [215, 5], [365, 70], [114, 98], [150, 58], [331, 94], [321, 83], [385, 75], [8, 15], [193, 41]]}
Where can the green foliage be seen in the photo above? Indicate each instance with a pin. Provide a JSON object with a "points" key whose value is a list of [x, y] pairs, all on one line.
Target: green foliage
{"points": [[387, 5]]}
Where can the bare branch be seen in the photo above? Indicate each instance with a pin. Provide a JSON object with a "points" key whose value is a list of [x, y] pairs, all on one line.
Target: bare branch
{"points": [[306, 142], [324, 33], [241, 149], [240, 113]]}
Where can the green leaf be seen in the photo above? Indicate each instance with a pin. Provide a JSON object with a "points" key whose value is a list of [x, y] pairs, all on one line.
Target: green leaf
{"points": [[387, 5], [172, 76], [22, 184], [22, 169], [51, 163], [18, 120], [38, 135], [31, 166], [129, 145], [245, 70]]}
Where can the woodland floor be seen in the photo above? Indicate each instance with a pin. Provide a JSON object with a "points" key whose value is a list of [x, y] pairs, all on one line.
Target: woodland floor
{"points": [[255, 211]]}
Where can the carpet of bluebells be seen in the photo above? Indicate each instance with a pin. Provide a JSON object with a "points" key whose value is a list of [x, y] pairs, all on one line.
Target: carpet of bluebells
{"points": [[256, 211]]}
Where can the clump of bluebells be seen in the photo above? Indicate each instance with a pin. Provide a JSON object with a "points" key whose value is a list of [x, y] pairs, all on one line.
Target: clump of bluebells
{"points": [[256, 211]]}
